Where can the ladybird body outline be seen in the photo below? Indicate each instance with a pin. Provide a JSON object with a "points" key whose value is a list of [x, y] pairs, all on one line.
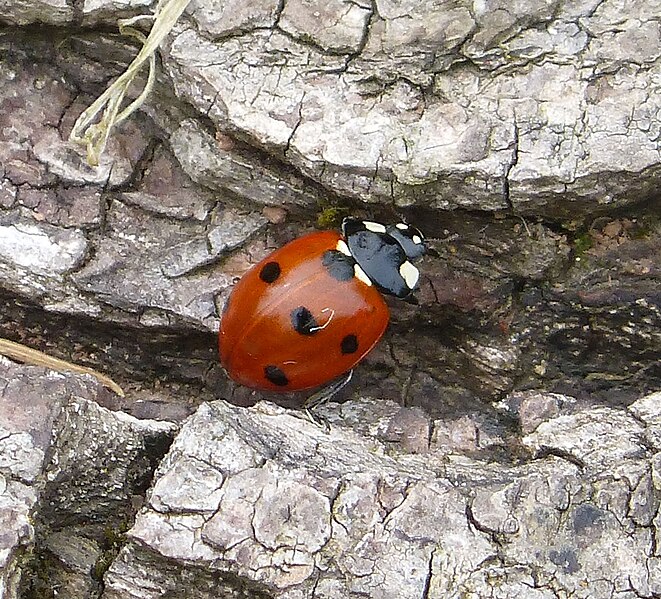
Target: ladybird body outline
{"points": [[307, 313]]}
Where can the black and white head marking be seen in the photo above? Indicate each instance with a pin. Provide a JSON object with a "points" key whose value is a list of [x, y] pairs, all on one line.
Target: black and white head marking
{"points": [[374, 227], [384, 255], [410, 238], [410, 274]]}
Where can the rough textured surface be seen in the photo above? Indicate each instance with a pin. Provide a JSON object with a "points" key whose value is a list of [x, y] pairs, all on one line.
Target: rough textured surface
{"points": [[69, 470], [25, 430], [540, 107], [293, 511], [515, 456]]}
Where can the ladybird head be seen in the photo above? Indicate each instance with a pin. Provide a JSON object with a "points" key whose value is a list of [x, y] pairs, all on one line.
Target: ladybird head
{"points": [[385, 254]]}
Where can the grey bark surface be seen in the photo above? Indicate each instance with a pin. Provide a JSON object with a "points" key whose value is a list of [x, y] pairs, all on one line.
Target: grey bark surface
{"points": [[70, 474], [501, 440], [270, 499]]}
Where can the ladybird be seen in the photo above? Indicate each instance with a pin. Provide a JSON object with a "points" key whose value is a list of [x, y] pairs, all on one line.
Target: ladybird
{"points": [[310, 311]]}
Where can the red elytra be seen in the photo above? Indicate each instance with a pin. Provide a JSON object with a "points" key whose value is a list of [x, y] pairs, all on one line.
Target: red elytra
{"points": [[292, 324]]}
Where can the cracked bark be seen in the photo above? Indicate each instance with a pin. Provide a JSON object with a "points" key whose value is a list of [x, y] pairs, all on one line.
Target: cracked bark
{"points": [[453, 526], [522, 139]]}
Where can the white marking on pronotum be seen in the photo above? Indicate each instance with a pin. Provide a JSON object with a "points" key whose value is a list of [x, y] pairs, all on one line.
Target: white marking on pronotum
{"points": [[417, 239], [374, 227], [343, 248], [402, 226], [323, 326], [410, 274], [361, 275]]}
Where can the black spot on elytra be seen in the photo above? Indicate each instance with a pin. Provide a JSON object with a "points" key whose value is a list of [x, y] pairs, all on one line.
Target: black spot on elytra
{"points": [[349, 344], [338, 265], [270, 272], [303, 321], [274, 375]]}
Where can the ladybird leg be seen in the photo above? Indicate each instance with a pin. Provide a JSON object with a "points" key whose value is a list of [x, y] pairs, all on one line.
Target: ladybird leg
{"points": [[406, 387], [326, 394], [319, 420], [321, 397]]}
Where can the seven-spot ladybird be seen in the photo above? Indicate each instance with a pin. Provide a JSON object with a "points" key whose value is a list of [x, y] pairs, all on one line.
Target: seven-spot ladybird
{"points": [[313, 309]]}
